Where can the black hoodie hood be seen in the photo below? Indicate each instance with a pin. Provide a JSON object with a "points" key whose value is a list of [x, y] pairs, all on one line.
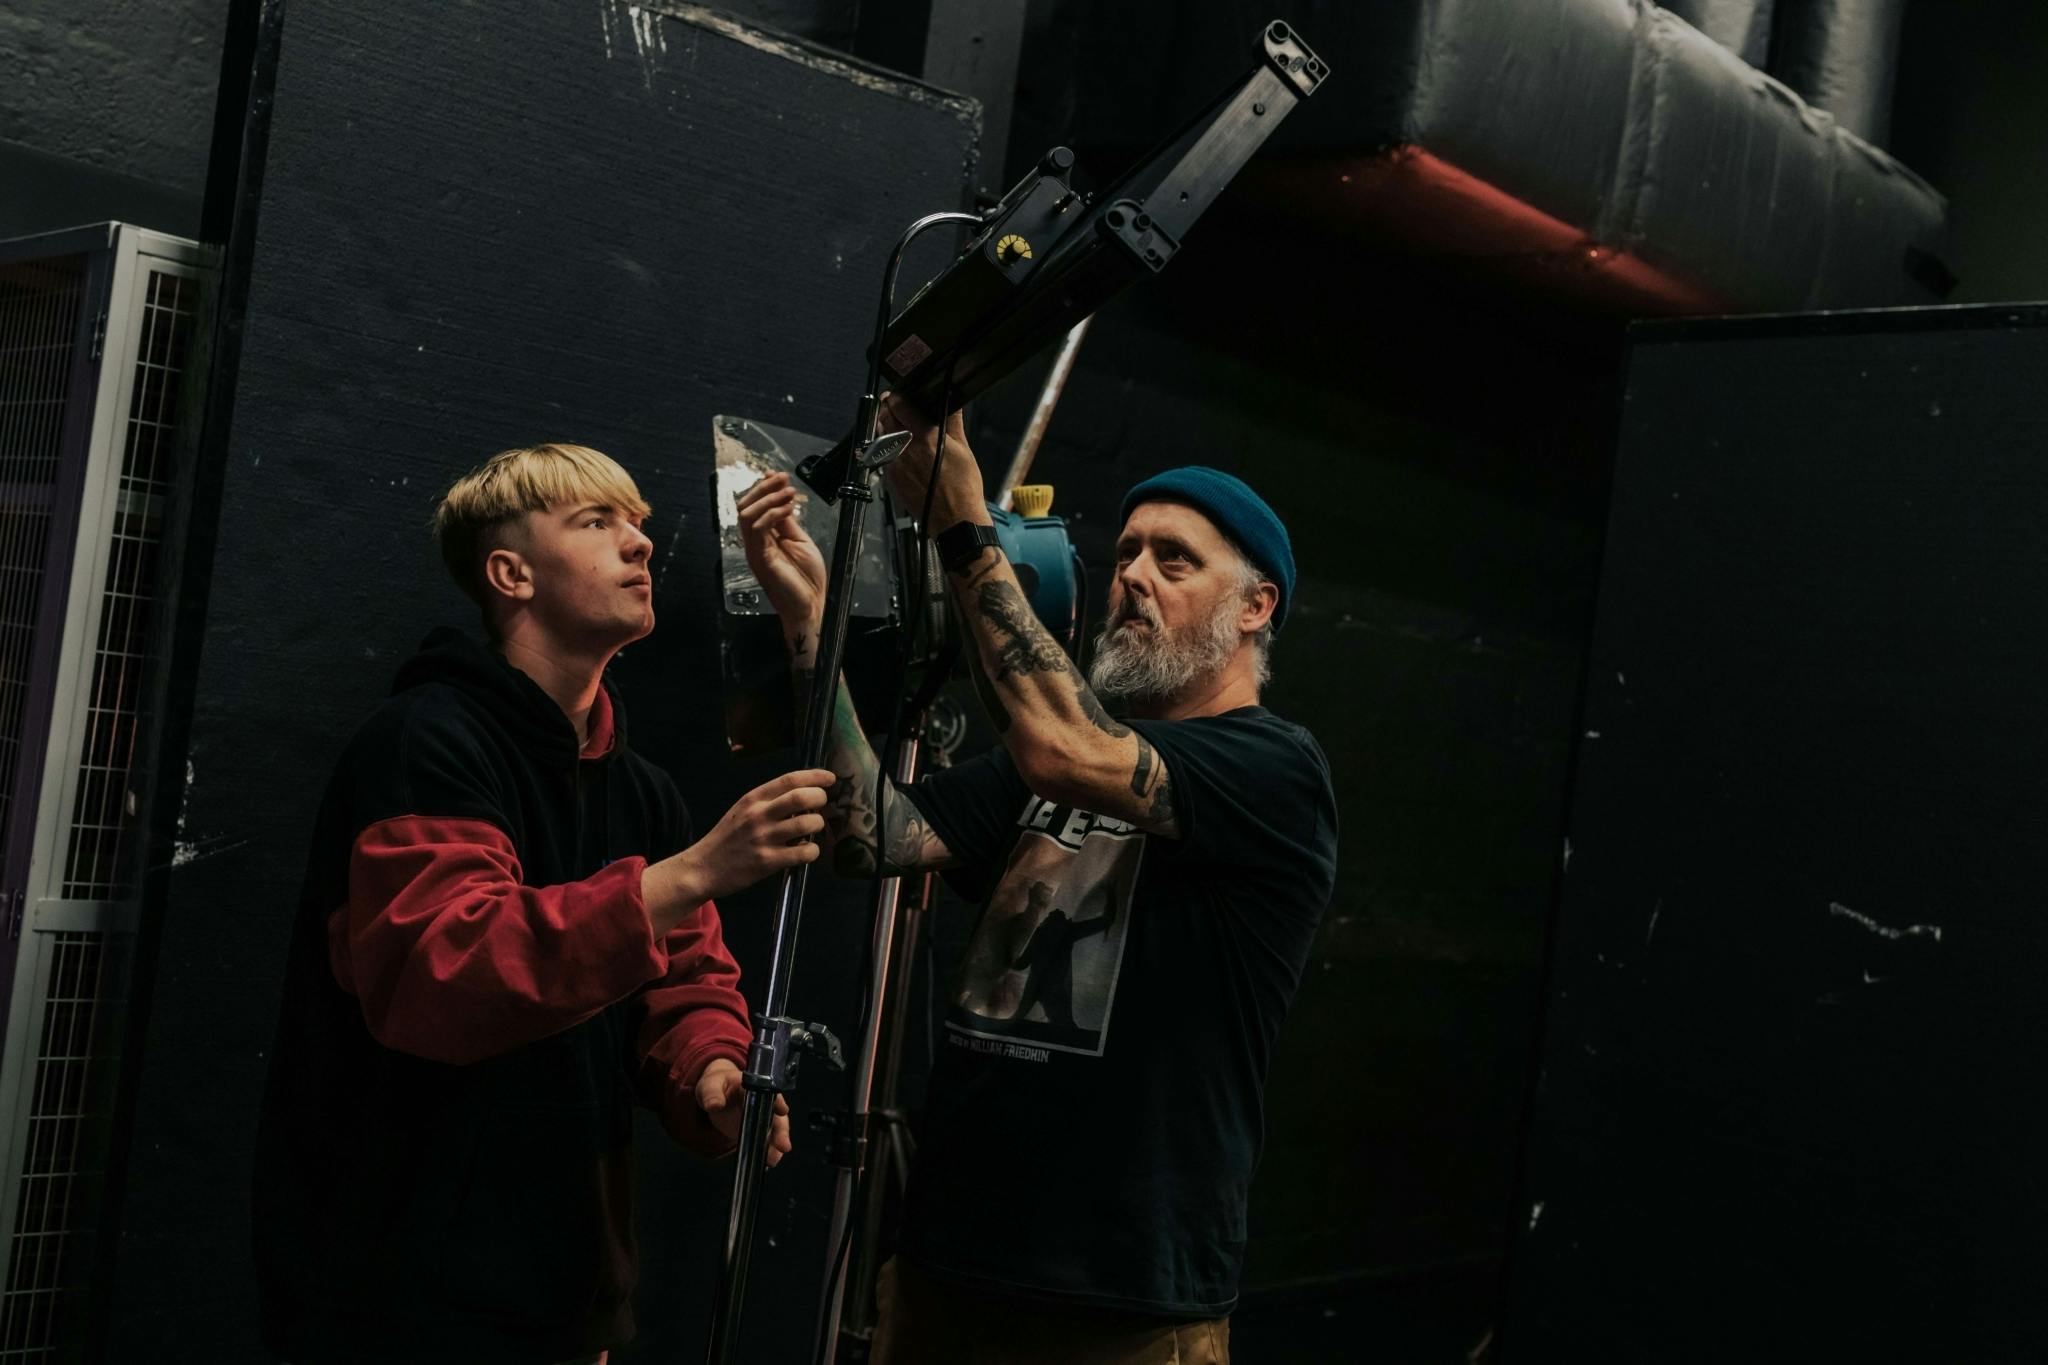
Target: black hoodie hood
{"points": [[508, 696]]}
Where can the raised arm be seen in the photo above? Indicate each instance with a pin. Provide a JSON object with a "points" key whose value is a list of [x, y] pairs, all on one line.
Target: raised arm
{"points": [[854, 829], [792, 572], [1067, 747]]}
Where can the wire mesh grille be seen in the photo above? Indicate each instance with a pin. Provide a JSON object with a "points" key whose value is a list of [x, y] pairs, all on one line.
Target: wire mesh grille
{"points": [[73, 982], [39, 304], [103, 816], [64, 1156]]}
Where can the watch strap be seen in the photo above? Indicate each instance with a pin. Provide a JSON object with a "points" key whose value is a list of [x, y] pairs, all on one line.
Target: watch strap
{"points": [[960, 543]]}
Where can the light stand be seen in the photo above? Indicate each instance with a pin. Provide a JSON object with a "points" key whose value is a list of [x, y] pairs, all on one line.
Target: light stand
{"points": [[871, 1140], [1045, 260], [771, 1062], [873, 1145]]}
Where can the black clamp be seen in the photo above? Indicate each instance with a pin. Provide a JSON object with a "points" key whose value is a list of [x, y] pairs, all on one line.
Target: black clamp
{"points": [[1127, 224], [1289, 56], [778, 1043], [845, 1137]]}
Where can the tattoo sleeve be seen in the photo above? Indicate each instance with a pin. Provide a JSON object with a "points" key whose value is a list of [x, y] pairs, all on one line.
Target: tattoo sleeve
{"points": [[1040, 703], [1150, 784], [854, 830]]}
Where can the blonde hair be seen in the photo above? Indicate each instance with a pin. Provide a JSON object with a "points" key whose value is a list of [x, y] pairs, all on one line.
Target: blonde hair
{"points": [[478, 507]]}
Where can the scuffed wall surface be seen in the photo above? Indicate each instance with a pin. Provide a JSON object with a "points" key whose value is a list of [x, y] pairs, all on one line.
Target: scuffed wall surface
{"points": [[1796, 975], [106, 89]]}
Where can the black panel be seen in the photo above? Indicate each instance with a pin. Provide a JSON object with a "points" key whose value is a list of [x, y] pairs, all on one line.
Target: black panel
{"points": [[482, 227], [1788, 1107]]}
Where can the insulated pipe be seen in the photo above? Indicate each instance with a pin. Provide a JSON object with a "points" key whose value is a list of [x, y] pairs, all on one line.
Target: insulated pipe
{"points": [[1841, 55]]}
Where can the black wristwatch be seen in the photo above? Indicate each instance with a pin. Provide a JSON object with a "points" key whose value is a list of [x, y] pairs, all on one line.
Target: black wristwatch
{"points": [[960, 543]]}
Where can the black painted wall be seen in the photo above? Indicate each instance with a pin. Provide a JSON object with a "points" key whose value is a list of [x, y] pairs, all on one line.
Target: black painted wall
{"points": [[1786, 1110], [482, 228], [1972, 117], [105, 112]]}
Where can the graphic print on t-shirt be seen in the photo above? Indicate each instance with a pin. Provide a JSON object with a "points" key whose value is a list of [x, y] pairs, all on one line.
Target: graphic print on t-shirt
{"points": [[1041, 968]]}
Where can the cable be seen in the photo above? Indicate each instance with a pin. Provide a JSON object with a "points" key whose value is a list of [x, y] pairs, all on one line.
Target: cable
{"points": [[887, 761], [931, 1004], [893, 737], [1080, 610]]}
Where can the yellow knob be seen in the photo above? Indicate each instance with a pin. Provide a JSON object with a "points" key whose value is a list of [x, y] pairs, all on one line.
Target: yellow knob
{"points": [[1031, 499], [1011, 249]]}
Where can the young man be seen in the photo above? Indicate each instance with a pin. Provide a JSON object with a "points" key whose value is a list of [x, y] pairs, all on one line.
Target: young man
{"points": [[506, 936], [1151, 888]]}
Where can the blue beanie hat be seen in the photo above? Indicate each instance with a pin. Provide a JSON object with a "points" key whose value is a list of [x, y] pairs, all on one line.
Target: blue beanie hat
{"points": [[1239, 513]]}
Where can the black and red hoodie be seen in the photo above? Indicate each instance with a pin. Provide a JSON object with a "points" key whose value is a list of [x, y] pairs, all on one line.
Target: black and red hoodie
{"points": [[474, 1000]]}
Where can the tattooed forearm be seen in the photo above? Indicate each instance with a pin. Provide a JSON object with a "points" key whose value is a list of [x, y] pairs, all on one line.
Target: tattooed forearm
{"points": [[1091, 706], [849, 806], [908, 843], [998, 714], [1030, 649], [1065, 742]]}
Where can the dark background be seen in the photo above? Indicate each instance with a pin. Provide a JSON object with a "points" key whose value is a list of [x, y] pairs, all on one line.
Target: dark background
{"points": [[1782, 1113], [434, 289]]}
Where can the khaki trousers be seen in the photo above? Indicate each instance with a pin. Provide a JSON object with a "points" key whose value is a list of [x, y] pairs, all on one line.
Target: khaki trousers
{"points": [[923, 1322]]}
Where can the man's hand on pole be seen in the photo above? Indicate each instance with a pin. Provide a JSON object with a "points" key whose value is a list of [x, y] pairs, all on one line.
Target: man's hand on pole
{"points": [[723, 1098], [959, 496]]}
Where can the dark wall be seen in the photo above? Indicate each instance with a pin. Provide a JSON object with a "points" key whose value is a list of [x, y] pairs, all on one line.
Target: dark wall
{"points": [[1797, 964], [481, 229], [1972, 117], [106, 112]]}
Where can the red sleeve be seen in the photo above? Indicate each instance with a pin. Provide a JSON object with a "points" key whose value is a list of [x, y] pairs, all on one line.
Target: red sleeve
{"points": [[453, 959], [692, 1015]]}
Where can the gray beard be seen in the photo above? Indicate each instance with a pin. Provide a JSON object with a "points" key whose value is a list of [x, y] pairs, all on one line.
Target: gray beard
{"points": [[1152, 666]]}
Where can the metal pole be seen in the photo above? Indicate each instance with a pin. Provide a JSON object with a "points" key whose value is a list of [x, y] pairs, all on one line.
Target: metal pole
{"points": [[1041, 416], [841, 1253], [769, 1061], [889, 1156], [863, 1181]]}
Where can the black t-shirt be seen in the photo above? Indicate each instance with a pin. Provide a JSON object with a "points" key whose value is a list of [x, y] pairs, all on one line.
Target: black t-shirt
{"points": [[1097, 1108]]}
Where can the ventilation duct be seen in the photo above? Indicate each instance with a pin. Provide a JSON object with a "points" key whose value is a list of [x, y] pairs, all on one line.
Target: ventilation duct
{"points": [[1741, 26], [1841, 55], [1606, 150]]}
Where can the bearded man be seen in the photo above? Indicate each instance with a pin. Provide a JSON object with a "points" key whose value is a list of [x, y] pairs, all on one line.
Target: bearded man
{"points": [[1152, 855]]}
